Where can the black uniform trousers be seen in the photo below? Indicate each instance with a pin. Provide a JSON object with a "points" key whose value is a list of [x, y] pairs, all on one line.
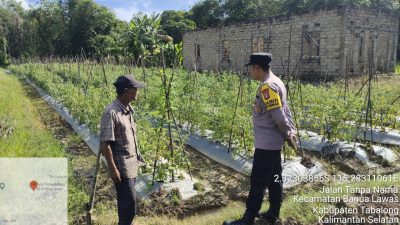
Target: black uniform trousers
{"points": [[126, 200], [266, 172]]}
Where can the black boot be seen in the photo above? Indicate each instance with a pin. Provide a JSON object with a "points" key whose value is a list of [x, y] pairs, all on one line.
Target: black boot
{"points": [[269, 217], [247, 219]]}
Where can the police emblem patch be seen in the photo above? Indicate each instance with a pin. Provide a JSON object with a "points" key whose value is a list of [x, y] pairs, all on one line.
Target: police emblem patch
{"points": [[271, 98], [265, 92]]}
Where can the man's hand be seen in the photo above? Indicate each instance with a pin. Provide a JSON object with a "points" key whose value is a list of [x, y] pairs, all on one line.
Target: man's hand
{"points": [[115, 176], [107, 152], [141, 161], [292, 141]]}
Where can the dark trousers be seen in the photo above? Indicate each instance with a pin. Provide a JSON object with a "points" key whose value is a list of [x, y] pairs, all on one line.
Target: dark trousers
{"points": [[126, 200], [266, 172]]}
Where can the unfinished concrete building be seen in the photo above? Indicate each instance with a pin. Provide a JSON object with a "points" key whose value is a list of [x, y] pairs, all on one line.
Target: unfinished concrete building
{"points": [[332, 43]]}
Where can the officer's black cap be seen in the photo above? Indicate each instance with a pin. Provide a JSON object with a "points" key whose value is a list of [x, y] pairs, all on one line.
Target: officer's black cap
{"points": [[260, 58], [127, 81]]}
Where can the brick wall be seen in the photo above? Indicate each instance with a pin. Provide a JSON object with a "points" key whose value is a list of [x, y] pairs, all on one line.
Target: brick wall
{"points": [[371, 39], [320, 44]]}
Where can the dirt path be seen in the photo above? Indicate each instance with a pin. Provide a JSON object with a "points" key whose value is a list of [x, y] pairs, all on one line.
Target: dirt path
{"points": [[81, 159]]}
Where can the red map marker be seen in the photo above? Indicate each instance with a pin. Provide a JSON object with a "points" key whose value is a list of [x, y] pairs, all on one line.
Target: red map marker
{"points": [[34, 185]]}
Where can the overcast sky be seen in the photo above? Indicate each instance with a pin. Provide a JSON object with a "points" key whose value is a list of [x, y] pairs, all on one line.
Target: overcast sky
{"points": [[124, 9]]}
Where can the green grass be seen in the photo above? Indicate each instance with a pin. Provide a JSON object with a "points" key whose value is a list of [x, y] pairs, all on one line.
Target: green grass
{"points": [[234, 210], [215, 217], [30, 138], [397, 69], [77, 198]]}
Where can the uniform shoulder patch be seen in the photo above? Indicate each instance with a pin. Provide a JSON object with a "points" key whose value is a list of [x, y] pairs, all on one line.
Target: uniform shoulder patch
{"points": [[270, 97]]}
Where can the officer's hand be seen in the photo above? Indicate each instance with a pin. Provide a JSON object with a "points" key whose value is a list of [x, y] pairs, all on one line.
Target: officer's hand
{"points": [[292, 141], [115, 175]]}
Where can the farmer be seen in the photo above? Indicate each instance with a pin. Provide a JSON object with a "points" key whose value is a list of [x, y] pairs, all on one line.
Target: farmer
{"points": [[272, 126], [119, 146]]}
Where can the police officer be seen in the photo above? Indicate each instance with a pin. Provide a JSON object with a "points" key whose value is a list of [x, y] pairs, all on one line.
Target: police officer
{"points": [[273, 125]]}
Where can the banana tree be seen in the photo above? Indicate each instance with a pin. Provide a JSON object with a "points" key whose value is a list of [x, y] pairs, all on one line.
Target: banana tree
{"points": [[143, 37]]}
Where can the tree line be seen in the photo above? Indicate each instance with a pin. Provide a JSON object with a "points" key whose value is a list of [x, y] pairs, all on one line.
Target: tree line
{"points": [[70, 28]]}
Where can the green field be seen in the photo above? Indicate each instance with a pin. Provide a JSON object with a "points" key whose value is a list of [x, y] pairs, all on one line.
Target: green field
{"points": [[74, 50], [203, 100]]}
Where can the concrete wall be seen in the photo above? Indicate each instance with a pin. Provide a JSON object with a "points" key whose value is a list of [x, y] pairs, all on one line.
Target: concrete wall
{"points": [[312, 45]]}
